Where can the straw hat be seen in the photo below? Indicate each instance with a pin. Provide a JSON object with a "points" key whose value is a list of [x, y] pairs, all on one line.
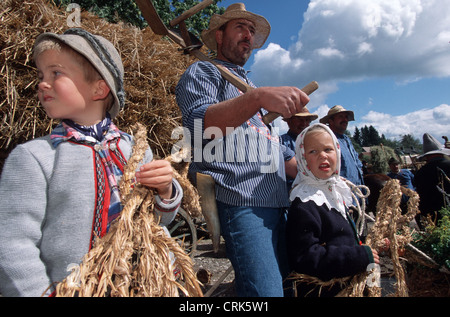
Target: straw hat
{"points": [[335, 110], [101, 54], [236, 11], [305, 113], [432, 146]]}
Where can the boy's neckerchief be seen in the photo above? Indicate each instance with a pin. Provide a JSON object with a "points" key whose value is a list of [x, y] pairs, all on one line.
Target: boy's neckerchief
{"points": [[102, 132], [96, 131], [65, 132]]}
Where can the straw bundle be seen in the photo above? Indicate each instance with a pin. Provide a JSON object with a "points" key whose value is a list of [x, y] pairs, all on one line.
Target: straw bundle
{"points": [[392, 225], [134, 258]]}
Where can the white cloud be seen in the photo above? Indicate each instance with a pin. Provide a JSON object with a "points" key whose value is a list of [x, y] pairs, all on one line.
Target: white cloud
{"points": [[329, 52], [354, 40], [364, 48], [434, 121]]}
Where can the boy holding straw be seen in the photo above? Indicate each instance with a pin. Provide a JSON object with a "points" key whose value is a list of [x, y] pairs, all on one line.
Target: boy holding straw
{"points": [[60, 192]]}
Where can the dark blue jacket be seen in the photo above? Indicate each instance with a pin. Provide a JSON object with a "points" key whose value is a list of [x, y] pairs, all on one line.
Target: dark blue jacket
{"points": [[321, 243]]}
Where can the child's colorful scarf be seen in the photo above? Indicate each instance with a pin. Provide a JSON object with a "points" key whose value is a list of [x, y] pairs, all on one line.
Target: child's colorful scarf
{"points": [[101, 142]]}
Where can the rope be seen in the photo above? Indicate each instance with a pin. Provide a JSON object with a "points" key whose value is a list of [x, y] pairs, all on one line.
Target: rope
{"points": [[358, 197]]}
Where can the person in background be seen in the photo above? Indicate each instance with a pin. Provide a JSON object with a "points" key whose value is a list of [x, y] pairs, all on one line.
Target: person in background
{"points": [[296, 124], [351, 166], [431, 180], [405, 177]]}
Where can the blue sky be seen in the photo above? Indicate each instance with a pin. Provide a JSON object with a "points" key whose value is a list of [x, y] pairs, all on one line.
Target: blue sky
{"points": [[386, 60]]}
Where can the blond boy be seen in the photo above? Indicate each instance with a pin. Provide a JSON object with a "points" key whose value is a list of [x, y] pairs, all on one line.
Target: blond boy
{"points": [[60, 191]]}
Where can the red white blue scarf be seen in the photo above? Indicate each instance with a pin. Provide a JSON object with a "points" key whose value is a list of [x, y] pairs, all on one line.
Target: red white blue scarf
{"points": [[103, 143]]}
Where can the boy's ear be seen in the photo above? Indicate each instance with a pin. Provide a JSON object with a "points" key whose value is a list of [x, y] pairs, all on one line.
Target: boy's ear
{"points": [[101, 90]]}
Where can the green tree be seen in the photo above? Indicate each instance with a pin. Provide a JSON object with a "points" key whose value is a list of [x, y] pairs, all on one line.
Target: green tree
{"points": [[390, 143], [357, 136], [373, 137], [112, 11], [369, 136], [380, 157], [128, 11], [410, 144], [198, 22], [364, 139]]}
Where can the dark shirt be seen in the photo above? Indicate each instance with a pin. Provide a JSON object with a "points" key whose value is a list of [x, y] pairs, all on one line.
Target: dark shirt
{"points": [[427, 178], [321, 243]]}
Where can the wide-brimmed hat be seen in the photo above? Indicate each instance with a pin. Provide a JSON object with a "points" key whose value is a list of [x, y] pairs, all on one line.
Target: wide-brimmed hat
{"points": [[432, 146], [335, 110], [236, 11], [102, 54], [306, 114]]}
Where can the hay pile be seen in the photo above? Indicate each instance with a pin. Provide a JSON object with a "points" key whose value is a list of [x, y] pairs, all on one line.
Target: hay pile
{"points": [[152, 65]]}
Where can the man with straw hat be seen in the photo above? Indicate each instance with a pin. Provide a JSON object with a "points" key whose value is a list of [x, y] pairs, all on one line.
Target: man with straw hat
{"points": [[296, 124], [251, 199], [433, 175], [351, 166]]}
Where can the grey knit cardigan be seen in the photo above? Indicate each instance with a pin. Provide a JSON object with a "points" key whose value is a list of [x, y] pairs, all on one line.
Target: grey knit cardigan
{"points": [[47, 199]]}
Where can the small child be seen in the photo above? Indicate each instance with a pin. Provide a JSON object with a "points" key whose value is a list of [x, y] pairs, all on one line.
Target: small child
{"points": [[60, 191], [321, 237]]}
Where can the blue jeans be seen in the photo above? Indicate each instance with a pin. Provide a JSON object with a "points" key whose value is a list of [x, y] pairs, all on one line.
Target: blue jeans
{"points": [[255, 244]]}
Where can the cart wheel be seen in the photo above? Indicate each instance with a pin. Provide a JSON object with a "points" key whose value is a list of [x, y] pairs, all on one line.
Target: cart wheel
{"points": [[184, 231]]}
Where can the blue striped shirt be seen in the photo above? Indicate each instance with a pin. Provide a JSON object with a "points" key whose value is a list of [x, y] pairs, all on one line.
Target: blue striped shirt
{"points": [[288, 139], [247, 164]]}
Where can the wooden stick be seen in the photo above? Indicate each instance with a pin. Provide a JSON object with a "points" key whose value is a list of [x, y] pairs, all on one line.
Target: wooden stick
{"points": [[187, 14]]}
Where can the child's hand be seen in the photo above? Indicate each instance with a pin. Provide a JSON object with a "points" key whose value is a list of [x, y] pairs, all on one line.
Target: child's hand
{"points": [[387, 244], [158, 175]]}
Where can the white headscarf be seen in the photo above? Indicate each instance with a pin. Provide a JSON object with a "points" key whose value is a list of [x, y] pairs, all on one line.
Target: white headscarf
{"points": [[333, 191]]}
